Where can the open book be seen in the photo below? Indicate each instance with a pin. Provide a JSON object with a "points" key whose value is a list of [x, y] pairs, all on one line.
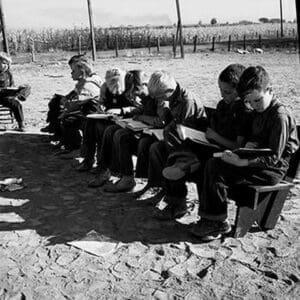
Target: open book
{"points": [[132, 124], [194, 135], [157, 133], [248, 152], [100, 116]]}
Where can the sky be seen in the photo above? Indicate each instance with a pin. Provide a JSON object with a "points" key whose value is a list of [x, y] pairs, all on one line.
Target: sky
{"points": [[73, 13]]}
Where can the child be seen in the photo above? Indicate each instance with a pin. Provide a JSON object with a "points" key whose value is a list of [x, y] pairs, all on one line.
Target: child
{"points": [[12, 98], [184, 108], [273, 127], [228, 127], [118, 97]]}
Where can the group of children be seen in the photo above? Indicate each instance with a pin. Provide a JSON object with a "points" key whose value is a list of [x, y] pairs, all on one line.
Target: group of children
{"points": [[249, 115]]}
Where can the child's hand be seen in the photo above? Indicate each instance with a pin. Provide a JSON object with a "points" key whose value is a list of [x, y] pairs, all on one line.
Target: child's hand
{"points": [[137, 118], [233, 159], [251, 145], [210, 134]]}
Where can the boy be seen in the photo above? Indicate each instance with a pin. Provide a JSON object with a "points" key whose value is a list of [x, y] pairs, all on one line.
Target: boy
{"points": [[184, 108], [12, 98], [228, 128], [117, 97], [273, 127]]}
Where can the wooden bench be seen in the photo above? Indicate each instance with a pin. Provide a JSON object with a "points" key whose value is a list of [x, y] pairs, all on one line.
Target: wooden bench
{"points": [[6, 116], [261, 203]]}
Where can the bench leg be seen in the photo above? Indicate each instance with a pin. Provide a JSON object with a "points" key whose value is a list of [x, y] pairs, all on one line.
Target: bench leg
{"points": [[273, 210], [245, 217]]}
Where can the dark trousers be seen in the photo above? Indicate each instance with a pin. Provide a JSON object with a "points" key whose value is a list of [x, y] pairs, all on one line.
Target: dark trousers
{"points": [[125, 144], [70, 129], [218, 176], [158, 155], [15, 106], [107, 154], [92, 137], [142, 163], [55, 106]]}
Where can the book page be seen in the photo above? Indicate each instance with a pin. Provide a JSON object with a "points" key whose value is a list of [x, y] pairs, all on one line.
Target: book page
{"points": [[157, 133]]}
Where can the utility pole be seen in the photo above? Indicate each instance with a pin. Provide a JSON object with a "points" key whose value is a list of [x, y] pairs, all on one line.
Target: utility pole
{"points": [[281, 19], [92, 29], [3, 30], [298, 24], [179, 31]]}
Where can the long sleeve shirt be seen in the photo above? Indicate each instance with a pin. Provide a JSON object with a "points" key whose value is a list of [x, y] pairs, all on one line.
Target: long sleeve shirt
{"points": [[232, 120], [275, 128], [6, 79]]}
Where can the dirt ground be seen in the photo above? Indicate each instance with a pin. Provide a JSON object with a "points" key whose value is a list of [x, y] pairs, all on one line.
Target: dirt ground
{"points": [[149, 259]]}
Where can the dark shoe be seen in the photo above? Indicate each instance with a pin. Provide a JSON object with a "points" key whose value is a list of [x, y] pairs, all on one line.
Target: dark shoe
{"points": [[47, 129], [100, 179], [208, 230], [125, 184], [171, 212], [84, 166], [20, 129]]}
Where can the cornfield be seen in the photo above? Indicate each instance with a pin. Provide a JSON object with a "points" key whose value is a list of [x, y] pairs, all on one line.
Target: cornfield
{"points": [[50, 40]]}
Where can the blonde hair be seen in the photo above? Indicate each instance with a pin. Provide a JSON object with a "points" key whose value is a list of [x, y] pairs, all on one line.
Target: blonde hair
{"points": [[5, 57], [115, 80], [161, 84]]}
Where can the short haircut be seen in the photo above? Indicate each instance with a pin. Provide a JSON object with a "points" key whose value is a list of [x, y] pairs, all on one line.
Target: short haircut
{"points": [[253, 78], [161, 83], [135, 79], [231, 74], [78, 57], [115, 80]]}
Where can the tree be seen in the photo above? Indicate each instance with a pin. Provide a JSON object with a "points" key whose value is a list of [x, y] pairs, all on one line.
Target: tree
{"points": [[213, 21], [263, 20]]}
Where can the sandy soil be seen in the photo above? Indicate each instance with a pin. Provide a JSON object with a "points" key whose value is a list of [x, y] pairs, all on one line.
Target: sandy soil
{"points": [[150, 259]]}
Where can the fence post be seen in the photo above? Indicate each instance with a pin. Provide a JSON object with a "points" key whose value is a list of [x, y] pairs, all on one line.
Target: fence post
{"points": [[158, 44], [79, 44], [131, 42], [219, 38], [174, 45], [32, 50], [195, 43], [107, 42], [259, 41], [229, 43], [213, 43], [277, 33], [149, 43], [244, 41], [117, 46]]}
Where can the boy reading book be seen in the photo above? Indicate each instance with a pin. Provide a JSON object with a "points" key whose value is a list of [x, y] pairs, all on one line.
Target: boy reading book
{"points": [[273, 127], [228, 127]]}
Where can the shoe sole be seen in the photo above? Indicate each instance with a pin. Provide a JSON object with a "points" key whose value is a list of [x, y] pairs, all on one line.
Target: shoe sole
{"points": [[211, 237]]}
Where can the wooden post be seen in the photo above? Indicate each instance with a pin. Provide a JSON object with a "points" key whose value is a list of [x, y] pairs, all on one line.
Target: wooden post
{"points": [[3, 29], [298, 24], [179, 26], [244, 41], [117, 46], [149, 43], [79, 44], [131, 41], [281, 20], [277, 33], [195, 43], [229, 43], [174, 45], [158, 44], [107, 42], [32, 50], [92, 30], [213, 43], [259, 41]]}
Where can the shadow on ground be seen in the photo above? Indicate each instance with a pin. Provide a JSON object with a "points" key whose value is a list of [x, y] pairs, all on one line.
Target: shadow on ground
{"points": [[58, 204]]}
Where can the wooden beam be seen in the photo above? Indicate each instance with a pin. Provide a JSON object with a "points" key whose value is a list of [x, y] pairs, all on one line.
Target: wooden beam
{"points": [[298, 24], [92, 29], [3, 30], [281, 20], [179, 28]]}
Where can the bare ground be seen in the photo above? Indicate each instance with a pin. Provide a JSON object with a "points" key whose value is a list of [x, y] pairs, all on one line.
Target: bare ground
{"points": [[151, 259]]}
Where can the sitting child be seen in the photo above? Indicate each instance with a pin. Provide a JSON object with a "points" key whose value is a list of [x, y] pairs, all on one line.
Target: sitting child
{"points": [[229, 126], [273, 127], [11, 97], [117, 97]]}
